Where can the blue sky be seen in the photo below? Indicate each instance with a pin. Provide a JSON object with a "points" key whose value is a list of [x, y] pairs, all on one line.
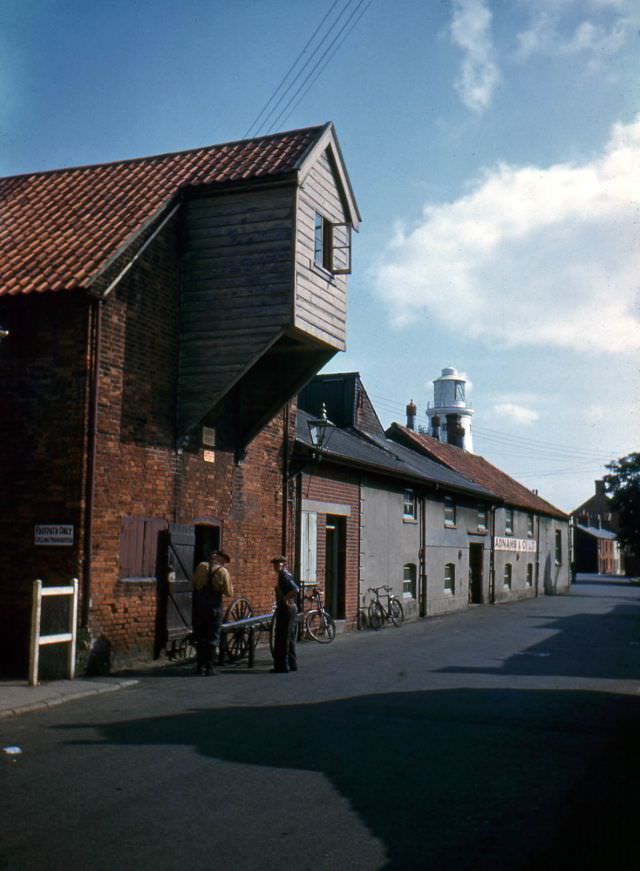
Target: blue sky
{"points": [[494, 149]]}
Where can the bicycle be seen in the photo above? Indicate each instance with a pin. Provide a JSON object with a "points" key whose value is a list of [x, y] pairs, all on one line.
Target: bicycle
{"points": [[377, 612], [317, 623]]}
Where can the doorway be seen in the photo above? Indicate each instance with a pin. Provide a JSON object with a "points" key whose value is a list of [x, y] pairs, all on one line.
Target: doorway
{"points": [[334, 592], [476, 559]]}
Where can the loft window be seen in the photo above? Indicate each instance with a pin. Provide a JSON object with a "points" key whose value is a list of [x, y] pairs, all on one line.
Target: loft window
{"points": [[409, 581], [409, 505], [332, 245], [449, 511], [530, 525]]}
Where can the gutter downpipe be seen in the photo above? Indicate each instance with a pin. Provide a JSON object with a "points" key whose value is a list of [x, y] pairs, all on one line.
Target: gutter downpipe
{"points": [[423, 557], [285, 480], [95, 340], [537, 588], [492, 558]]}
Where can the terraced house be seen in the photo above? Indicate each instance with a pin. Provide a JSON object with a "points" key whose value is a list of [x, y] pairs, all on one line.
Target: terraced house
{"points": [[162, 312]]}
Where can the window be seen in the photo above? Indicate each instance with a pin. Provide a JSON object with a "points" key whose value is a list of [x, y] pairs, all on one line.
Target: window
{"points": [[139, 547], [529, 574], [482, 518], [558, 547], [507, 576], [409, 581], [530, 525], [459, 391], [331, 245], [508, 521], [409, 507], [450, 578], [449, 511]]}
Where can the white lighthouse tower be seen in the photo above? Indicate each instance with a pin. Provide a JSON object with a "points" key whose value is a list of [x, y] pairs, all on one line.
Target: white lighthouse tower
{"points": [[450, 415]]}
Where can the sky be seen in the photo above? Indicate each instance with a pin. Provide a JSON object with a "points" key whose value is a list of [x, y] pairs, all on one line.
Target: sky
{"points": [[494, 150]]}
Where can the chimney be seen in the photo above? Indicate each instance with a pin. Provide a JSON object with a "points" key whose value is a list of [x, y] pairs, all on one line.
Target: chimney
{"points": [[411, 415], [455, 430], [435, 423], [600, 491]]}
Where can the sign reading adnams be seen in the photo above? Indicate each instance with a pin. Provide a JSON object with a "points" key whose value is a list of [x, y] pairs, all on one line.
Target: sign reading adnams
{"points": [[60, 534], [521, 545]]}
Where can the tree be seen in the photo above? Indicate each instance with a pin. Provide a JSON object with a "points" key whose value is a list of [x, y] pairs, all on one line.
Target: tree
{"points": [[623, 485]]}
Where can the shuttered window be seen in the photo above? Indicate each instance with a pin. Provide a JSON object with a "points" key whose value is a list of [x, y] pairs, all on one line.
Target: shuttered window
{"points": [[139, 547], [308, 546]]}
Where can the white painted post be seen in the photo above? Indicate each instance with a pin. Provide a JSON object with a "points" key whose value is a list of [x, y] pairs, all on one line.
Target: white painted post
{"points": [[73, 623], [34, 652]]}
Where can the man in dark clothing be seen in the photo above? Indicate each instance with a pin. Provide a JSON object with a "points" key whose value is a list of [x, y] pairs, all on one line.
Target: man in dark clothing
{"points": [[284, 647], [211, 581]]}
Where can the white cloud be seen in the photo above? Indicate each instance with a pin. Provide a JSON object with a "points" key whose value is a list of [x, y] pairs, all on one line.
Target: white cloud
{"points": [[518, 414], [530, 256], [471, 31], [597, 38]]}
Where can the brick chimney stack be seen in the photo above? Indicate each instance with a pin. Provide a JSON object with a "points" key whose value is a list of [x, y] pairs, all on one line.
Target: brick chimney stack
{"points": [[411, 415]]}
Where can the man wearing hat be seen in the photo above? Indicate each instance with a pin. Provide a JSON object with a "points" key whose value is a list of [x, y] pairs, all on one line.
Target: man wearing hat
{"points": [[211, 581], [284, 645]]}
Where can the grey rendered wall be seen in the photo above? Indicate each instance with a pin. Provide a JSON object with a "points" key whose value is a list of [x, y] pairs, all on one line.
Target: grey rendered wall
{"points": [[450, 544], [387, 541]]}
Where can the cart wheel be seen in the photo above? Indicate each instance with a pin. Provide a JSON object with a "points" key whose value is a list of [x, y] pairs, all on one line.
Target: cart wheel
{"points": [[236, 641]]}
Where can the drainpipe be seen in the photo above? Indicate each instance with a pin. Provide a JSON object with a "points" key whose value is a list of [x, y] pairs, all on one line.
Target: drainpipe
{"points": [[285, 479], [94, 354], [423, 557], [537, 557], [492, 558]]}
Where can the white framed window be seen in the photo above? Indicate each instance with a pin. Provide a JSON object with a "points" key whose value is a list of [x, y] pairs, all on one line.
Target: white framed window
{"points": [[529, 574], [530, 525], [449, 511], [558, 547], [508, 573], [409, 575], [409, 505], [508, 521], [332, 245], [482, 518], [450, 578]]}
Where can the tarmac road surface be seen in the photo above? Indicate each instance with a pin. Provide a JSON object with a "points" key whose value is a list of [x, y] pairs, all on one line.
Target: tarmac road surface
{"points": [[504, 737]]}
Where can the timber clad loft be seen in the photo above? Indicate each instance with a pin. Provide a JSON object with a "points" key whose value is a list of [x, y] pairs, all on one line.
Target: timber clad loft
{"points": [[162, 314]]}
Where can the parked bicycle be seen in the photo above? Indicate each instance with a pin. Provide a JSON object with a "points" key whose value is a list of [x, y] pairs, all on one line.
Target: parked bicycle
{"points": [[378, 613], [317, 623]]}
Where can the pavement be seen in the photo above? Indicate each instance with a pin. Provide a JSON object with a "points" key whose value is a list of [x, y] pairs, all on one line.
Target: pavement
{"points": [[17, 697]]}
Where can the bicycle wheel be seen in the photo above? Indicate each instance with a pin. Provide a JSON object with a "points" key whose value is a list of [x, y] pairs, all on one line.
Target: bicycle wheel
{"points": [[396, 613], [320, 626], [376, 615]]}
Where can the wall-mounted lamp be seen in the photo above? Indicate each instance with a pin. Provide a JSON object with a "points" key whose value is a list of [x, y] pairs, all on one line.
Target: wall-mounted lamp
{"points": [[320, 431], [3, 334]]}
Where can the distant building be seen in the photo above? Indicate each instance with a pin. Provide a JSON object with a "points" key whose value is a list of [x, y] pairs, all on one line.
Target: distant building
{"points": [[595, 535], [450, 414]]}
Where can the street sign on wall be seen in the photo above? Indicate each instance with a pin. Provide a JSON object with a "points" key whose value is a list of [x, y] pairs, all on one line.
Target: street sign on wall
{"points": [[56, 534]]}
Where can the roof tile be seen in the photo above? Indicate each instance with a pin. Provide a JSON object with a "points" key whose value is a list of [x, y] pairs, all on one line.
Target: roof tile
{"points": [[58, 228]]}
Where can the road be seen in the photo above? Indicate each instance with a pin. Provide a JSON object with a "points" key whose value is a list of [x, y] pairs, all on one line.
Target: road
{"points": [[504, 737]]}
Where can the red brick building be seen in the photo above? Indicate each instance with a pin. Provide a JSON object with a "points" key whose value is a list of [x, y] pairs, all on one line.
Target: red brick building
{"points": [[162, 314]]}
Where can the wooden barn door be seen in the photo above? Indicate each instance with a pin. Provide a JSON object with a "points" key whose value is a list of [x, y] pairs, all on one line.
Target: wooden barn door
{"points": [[180, 565]]}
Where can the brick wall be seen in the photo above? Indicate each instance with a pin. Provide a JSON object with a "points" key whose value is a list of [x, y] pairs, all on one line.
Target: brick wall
{"points": [[331, 484], [43, 405]]}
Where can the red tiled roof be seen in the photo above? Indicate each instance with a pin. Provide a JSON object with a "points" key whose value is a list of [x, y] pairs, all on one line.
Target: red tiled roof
{"points": [[59, 228], [477, 469]]}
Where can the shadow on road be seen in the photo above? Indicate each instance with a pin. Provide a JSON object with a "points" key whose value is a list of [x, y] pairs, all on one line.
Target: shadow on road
{"points": [[450, 779]]}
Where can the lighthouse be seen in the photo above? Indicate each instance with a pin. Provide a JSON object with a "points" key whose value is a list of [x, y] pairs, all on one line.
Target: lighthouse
{"points": [[450, 414]]}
